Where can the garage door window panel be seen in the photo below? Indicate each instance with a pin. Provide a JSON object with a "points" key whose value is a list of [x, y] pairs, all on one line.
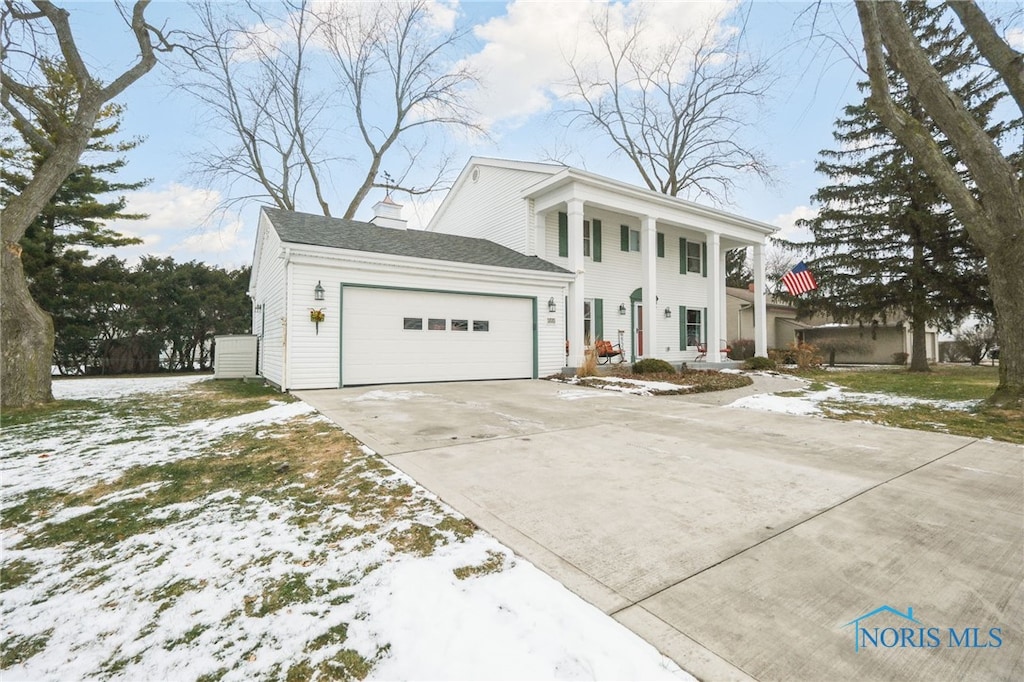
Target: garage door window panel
{"points": [[481, 326], [460, 325], [437, 325], [413, 323]]}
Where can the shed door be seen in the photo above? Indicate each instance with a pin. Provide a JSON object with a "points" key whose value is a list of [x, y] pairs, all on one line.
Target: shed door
{"points": [[393, 336]]}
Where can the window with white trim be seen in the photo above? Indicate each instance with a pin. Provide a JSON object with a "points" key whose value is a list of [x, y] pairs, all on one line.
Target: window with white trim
{"points": [[694, 327], [693, 257]]}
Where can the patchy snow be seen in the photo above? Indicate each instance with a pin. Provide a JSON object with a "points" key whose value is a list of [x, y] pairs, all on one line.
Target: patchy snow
{"points": [[98, 388], [639, 386], [580, 394], [809, 403], [730, 370], [176, 601]]}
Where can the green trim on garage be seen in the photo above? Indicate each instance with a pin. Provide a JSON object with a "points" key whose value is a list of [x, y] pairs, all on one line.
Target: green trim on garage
{"points": [[341, 316]]}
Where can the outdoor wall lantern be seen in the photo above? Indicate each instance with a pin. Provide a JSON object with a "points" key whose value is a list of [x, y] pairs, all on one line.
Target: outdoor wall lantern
{"points": [[668, 312], [551, 305], [622, 309], [318, 291]]}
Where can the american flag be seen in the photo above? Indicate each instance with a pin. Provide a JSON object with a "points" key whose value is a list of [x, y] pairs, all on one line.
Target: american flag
{"points": [[799, 280]]}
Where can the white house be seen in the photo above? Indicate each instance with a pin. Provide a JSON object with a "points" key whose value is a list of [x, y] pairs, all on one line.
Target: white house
{"points": [[649, 268], [519, 259]]}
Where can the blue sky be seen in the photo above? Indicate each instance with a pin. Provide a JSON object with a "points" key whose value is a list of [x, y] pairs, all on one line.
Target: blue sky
{"points": [[513, 43]]}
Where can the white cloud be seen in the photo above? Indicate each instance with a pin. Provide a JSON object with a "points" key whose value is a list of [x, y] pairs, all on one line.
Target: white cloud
{"points": [[184, 223], [787, 221], [523, 60]]}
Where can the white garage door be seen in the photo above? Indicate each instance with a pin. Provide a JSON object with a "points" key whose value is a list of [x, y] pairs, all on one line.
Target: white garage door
{"points": [[392, 336]]}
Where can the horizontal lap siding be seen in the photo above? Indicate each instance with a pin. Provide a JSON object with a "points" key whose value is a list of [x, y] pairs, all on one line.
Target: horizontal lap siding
{"points": [[269, 291], [492, 207], [620, 272], [315, 358]]}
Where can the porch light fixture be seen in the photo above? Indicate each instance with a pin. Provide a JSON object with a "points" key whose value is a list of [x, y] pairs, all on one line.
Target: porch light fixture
{"points": [[318, 291], [622, 309], [668, 312], [551, 305]]}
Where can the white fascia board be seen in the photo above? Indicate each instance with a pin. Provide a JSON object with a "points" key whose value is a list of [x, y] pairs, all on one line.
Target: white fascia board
{"points": [[261, 227], [619, 196], [484, 161], [368, 260]]}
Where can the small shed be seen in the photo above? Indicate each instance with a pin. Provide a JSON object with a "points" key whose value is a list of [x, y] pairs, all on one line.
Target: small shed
{"points": [[234, 356]]}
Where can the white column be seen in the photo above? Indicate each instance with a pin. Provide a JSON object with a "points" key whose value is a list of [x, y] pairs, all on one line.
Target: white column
{"points": [[536, 245], [760, 304], [574, 314], [714, 297], [649, 281]]}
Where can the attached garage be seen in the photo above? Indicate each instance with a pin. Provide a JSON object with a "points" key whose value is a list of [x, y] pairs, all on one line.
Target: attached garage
{"points": [[401, 335], [342, 303]]}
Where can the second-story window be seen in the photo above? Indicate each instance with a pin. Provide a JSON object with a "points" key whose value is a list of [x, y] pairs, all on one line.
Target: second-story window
{"points": [[586, 238], [693, 257]]}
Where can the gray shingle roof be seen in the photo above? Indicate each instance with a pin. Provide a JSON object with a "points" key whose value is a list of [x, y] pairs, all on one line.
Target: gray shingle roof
{"points": [[341, 233]]}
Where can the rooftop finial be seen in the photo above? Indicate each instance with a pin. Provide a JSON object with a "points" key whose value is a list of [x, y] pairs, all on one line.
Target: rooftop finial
{"points": [[388, 180]]}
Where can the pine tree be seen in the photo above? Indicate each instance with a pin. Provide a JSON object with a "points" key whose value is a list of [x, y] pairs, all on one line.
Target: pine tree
{"points": [[56, 246], [885, 241]]}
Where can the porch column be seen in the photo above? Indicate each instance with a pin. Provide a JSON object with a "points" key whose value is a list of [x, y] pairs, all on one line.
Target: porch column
{"points": [[574, 314], [760, 304], [715, 289], [535, 243], [649, 280]]}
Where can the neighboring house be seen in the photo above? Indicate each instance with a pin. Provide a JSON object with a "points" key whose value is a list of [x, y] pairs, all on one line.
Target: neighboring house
{"points": [[866, 343], [783, 324], [521, 262], [876, 344], [649, 268]]}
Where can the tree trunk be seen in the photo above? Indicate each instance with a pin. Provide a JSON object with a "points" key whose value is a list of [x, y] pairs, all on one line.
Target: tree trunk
{"points": [[1006, 284], [918, 318], [26, 341]]}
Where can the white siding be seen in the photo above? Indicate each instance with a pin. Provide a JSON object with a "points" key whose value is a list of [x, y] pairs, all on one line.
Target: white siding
{"points": [[315, 357], [269, 293], [379, 349], [235, 356], [619, 273], [491, 207]]}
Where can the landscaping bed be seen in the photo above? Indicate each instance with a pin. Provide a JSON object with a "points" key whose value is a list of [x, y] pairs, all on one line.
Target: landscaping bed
{"points": [[662, 383]]}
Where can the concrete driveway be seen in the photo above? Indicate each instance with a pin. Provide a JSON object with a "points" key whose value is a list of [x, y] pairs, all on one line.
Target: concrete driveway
{"points": [[741, 544]]}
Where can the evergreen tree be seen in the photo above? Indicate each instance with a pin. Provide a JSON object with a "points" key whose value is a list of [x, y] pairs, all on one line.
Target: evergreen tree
{"points": [[56, 245], [885, 240]]}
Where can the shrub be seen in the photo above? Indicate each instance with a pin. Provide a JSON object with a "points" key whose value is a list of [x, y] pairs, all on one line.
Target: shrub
{"points": [[974, 343], [803, 355], [589, 366], [653, 366], [900, 358], [741, 349], [841, 344], [759, 362]]}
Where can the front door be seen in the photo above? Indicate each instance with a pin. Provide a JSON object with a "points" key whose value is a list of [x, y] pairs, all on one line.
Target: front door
{"points": [[638, 331]]}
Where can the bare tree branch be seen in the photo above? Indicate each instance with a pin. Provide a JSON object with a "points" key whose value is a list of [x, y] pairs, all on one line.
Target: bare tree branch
{"points": [[675, 111]]}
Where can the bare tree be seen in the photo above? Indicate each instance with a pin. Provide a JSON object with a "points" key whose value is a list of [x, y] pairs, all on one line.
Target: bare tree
{"points": [[26, 331], [251, 72], [676, 110], [395, 67], [987, 194]]}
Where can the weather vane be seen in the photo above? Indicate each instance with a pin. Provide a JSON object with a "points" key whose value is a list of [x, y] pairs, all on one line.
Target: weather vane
{"points": [[387, 182]]}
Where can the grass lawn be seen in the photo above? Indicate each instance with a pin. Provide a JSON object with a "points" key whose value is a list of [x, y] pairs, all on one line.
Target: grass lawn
{"points": [[947, 399], [213, 530]]}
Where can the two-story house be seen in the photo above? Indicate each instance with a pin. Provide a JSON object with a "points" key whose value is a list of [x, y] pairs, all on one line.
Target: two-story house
{"points": [[649, 268], [522, 266]]}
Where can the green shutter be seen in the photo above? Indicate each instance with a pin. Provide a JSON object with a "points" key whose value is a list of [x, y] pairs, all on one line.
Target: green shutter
{"points": [[624, 237], [661, 245], [682, 256], [595, 240], [704, 259], [682, 327], [704, 326], [598, 318], [563, 235]]}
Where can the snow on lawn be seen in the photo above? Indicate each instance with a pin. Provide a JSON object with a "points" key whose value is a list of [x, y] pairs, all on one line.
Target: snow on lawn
{"points": [[809, 402], [621, 385], [182, 554]]}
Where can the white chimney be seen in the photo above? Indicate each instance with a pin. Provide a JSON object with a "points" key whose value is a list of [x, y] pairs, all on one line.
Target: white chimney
{"points": [[386, 213]]}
